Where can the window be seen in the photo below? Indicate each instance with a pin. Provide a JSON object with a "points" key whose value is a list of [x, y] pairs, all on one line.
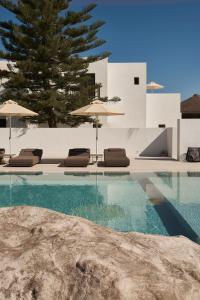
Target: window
{"points": [[161, 126], [91, 78], [3, 123], [136, 80]]}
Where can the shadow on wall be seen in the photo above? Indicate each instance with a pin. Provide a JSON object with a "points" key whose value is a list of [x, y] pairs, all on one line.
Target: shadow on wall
{"points": [[131, 131], [20, 131], [158, 148]]}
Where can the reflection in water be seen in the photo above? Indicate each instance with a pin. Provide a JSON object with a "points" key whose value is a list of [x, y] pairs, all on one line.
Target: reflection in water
{"points": [[117, 202], [177, 203], [80, 200], [161, 203], [100, 212], [166, 178], [193, 174]]}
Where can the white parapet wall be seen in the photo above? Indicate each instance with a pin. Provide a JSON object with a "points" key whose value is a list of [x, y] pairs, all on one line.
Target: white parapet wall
{"points": [[188, 136], [163, 109], [56, 142]]}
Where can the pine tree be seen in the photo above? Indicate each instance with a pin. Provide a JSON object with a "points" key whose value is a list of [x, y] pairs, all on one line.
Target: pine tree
{"points": [[45, 48]]}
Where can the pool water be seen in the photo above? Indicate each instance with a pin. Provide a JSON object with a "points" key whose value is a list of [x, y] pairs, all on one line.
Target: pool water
{"points": [[156, 203]]}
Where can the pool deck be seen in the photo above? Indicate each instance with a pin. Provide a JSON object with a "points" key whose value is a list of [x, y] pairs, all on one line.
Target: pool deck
{"points": [[137, 165]]}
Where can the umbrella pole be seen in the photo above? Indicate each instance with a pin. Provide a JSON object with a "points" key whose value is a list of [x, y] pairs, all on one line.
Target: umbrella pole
{"points": [[10, 189], [10, 121], [97, 137]]}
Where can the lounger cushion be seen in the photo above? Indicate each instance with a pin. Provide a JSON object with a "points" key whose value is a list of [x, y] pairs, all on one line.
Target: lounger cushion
{"points": [[31, 152], [26, 158], [116, 152], [117, 162], [73, 161], [79, 151], [24, 161], [2, 152], [78, 157], [116, 157]]}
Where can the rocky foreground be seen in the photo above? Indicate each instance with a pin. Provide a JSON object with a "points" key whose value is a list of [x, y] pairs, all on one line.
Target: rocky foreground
{"points": [[46, 255]]}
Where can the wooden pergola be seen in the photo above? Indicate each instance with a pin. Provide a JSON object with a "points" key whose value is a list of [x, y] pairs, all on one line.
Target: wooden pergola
{"points": [[190, 108]]}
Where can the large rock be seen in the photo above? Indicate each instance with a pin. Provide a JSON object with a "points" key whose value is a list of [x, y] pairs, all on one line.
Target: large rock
{"points": [[46, 255]]}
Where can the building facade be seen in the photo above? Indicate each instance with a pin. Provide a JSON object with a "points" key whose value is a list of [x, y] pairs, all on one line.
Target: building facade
{"points": [[128, 81]]}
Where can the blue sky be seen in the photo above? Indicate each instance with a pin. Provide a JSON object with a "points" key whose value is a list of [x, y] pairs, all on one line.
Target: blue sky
{"points": [[163, 33]]}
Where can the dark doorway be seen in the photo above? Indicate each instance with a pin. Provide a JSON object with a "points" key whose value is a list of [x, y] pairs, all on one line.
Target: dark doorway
{"points": [[90, 83]]}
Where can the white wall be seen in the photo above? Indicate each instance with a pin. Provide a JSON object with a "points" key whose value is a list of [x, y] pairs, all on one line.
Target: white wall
{"points": [[56, 142], [163, 109], [133, 97], [3, 65], [188, 135], [172, 142]]}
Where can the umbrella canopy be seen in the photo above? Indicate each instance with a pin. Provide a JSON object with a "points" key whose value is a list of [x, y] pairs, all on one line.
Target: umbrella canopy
{"points": [[13, 109], [96, 108], [154, 86]]}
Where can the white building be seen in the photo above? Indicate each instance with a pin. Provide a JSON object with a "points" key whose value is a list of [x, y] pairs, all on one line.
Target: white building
{"points": [[128, 81]]}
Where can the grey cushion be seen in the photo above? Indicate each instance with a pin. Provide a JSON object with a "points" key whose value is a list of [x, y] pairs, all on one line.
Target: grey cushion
{"points": [[193, 154]]}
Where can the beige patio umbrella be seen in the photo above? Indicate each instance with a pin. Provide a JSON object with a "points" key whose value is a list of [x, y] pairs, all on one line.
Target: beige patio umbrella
{"points": [[13, 109], [96, 108], [154, 86]]}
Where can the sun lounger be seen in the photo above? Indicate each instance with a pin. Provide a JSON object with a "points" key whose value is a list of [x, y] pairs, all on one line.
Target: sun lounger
{"points": [[77, 157], [2, 152], [26, 158], [116, 157]]}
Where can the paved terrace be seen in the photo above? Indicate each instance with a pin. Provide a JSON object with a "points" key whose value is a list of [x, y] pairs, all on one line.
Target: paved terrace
{"points": [[137, 165]]}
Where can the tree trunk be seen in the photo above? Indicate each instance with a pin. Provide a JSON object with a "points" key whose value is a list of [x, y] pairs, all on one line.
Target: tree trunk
{"points": [[52, 123]]}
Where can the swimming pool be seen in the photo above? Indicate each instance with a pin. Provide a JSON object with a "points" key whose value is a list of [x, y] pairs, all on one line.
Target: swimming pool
{"points": [[156, 203]]}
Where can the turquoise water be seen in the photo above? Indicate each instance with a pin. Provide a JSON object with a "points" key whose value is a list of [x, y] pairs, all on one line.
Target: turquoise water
{"points": [[157, 203]]}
